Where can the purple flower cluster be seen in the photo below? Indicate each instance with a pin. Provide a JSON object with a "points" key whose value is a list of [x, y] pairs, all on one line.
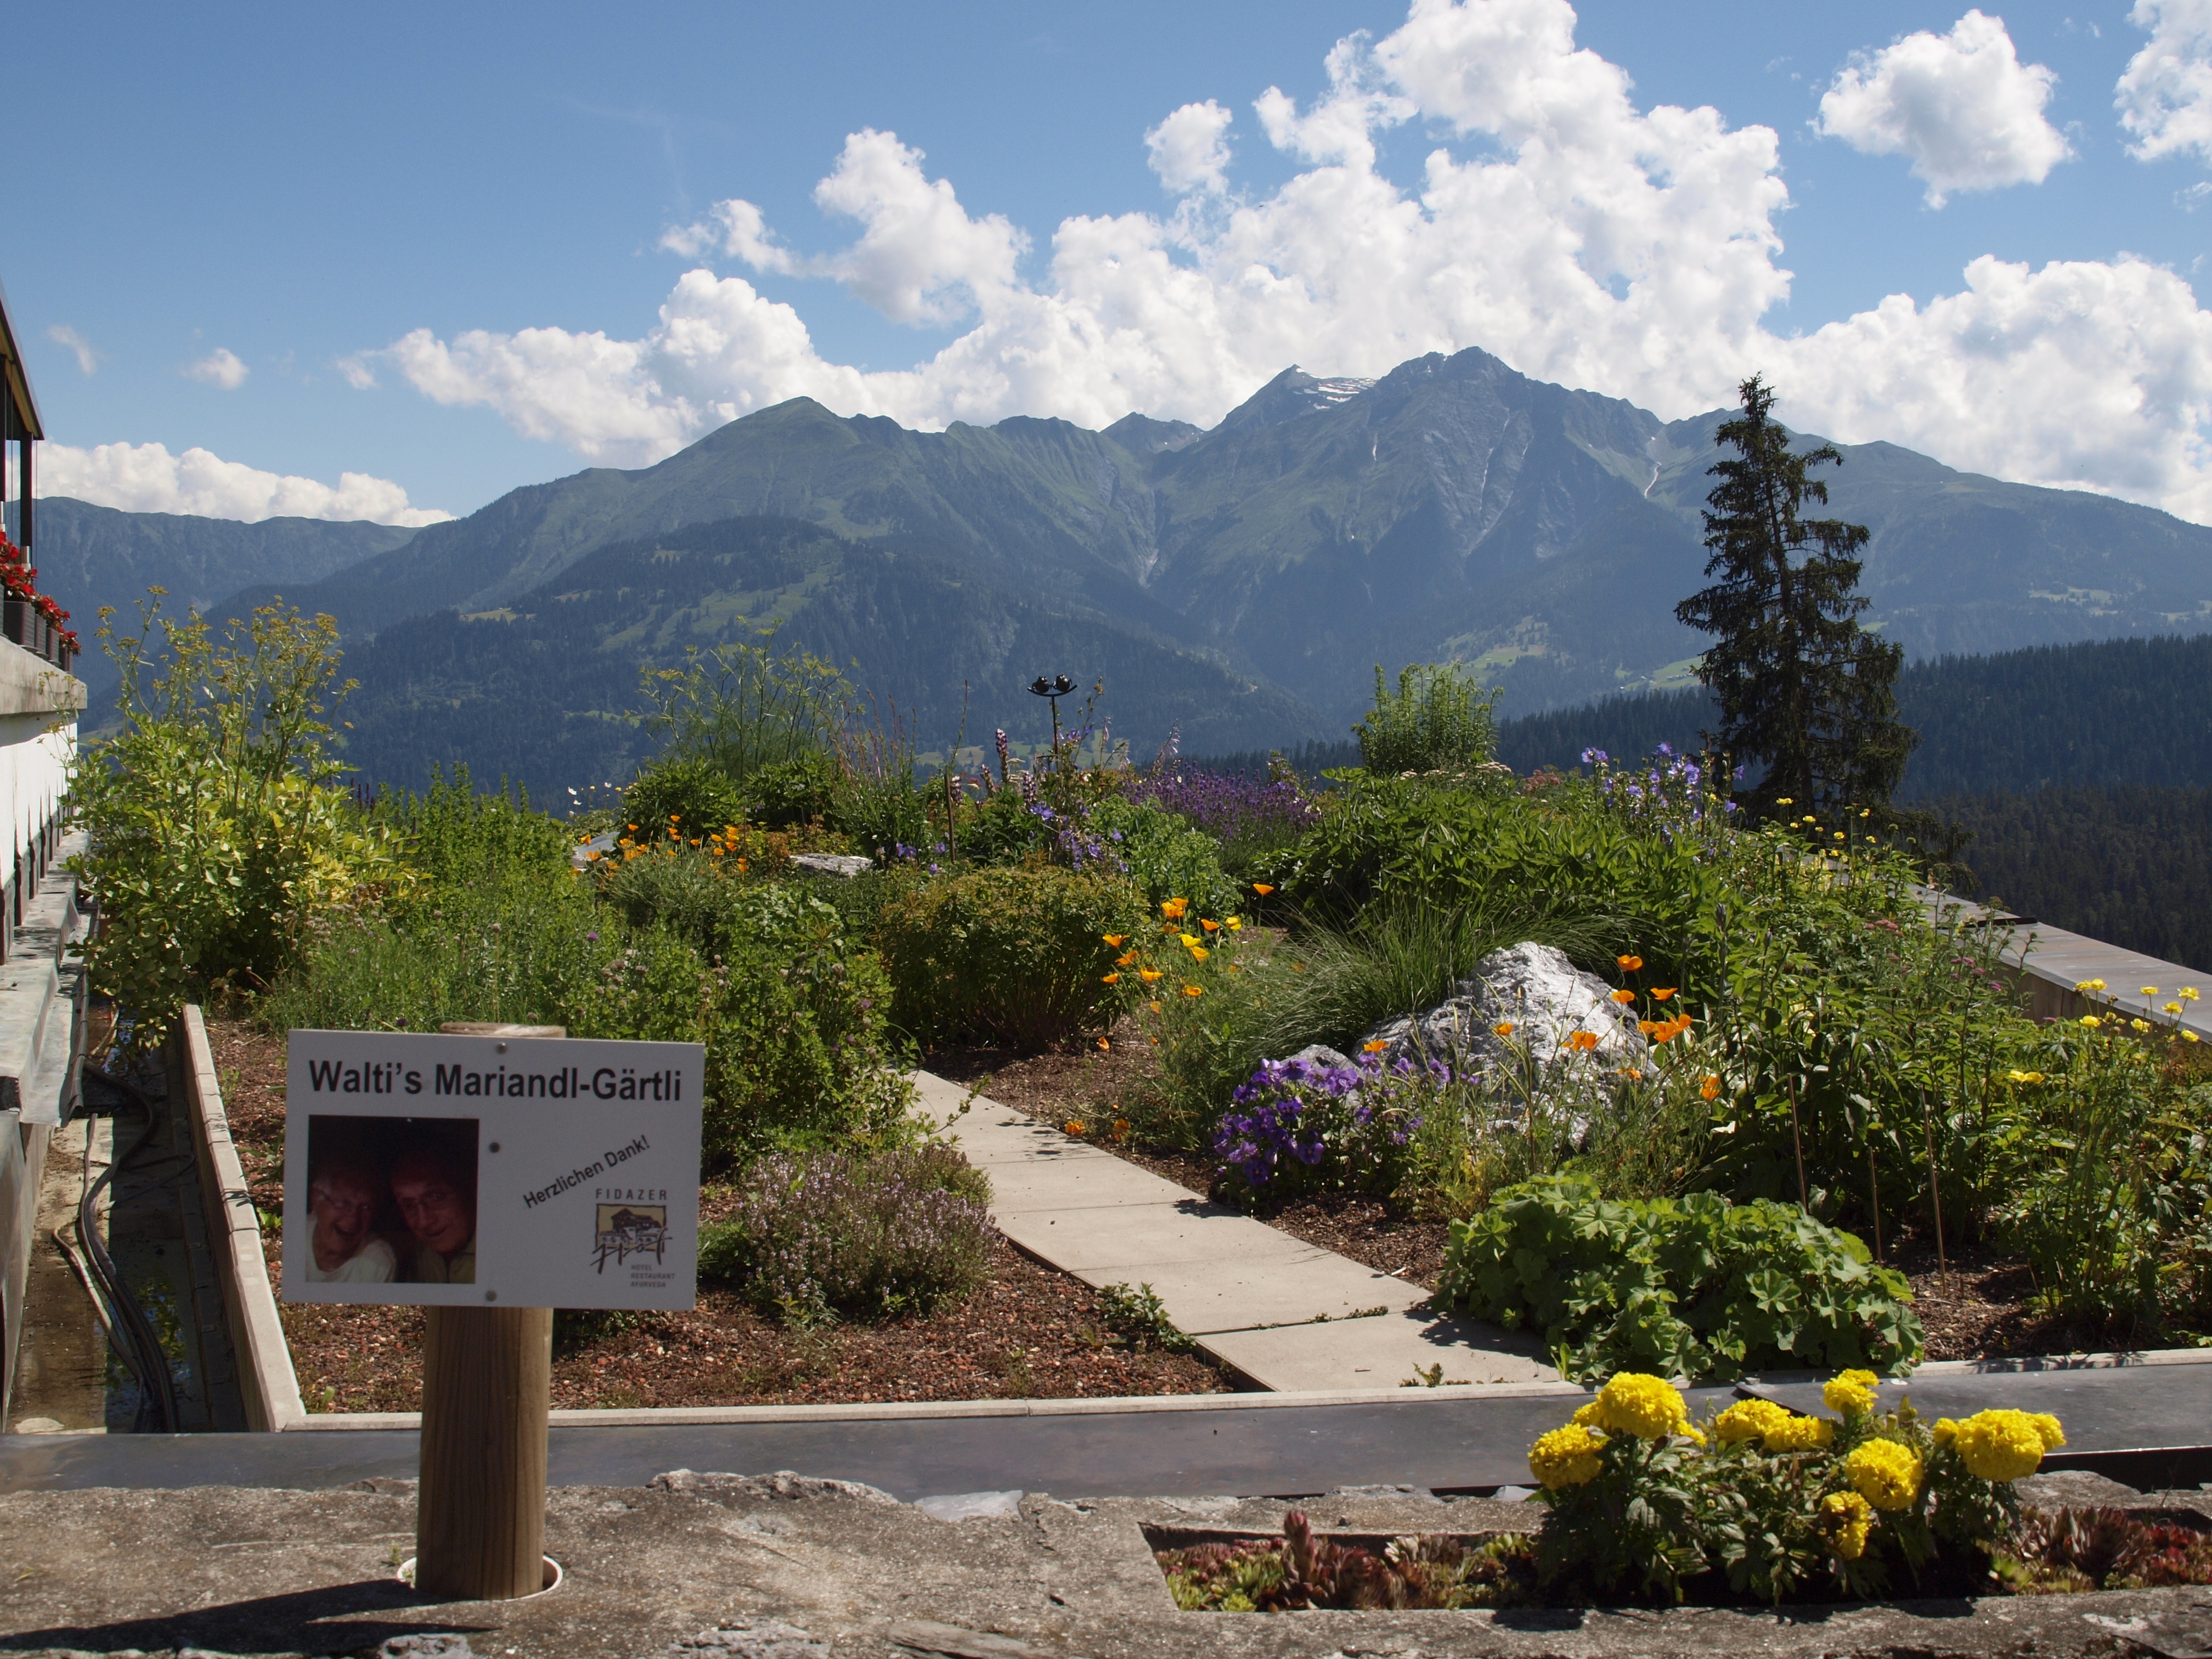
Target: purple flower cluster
{"points": [[1224, 806], [1295, 1123], [1668, 789]]}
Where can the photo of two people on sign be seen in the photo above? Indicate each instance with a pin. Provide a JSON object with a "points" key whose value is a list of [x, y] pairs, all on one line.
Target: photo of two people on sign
{"points": [[392, 1199]]}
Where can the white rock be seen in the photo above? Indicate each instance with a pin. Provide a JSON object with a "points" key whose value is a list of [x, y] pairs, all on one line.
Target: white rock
{"points": [[1544, 997]]}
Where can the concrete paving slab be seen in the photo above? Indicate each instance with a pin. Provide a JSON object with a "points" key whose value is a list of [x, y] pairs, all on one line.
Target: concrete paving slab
{"points": [[1187, 1229], [1203, 1298], [1382, 1351]]}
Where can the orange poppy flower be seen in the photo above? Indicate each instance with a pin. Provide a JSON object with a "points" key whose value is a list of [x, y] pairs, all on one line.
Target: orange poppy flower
{"points": [[1108, 978], [1661, 992], [1629, 964], [1623, 998], [1582, 1041], [1709, 1087], [1193, 990], [1148, 974], [1261, 889], [1114, 939]]}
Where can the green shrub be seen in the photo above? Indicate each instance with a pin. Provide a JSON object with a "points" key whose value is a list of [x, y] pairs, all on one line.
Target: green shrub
{"points": [[818, 1235], [220, 840], [1167, 858], [1435, 720], [691, 797], [454, 836], [1692, 1287], [1015, 954], [789, 793]]}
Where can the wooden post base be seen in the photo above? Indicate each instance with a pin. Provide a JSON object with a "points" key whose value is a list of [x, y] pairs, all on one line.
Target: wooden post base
{"points": [[480, 1517]]}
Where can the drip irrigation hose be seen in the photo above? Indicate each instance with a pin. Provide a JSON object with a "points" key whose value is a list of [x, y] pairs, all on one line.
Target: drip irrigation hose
{"points": [[140, 1347]]}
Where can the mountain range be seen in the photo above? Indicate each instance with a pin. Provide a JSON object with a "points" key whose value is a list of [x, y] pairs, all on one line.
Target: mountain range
{"points": [[1241, 582]]}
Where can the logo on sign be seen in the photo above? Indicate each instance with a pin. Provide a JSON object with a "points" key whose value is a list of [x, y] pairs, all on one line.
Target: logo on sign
{"points": [[628, 1230]]}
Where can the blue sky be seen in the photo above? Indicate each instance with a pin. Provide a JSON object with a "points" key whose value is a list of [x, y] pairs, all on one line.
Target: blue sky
{"points": [[310, 190]]}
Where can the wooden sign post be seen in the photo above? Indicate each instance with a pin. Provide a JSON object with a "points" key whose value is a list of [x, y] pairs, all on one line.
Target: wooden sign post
{"points": [[489, 1175], [487, 1399]]}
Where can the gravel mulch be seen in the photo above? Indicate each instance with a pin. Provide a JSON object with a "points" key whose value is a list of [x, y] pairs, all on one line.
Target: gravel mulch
{"points": [[1029, 1333]]}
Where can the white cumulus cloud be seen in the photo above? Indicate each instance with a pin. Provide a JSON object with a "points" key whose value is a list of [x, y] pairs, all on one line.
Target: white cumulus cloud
{"points": [[1584, 239], [1190, 150], [1961, 106], [220, 367], [2165, 93], [147, 478], [87, 360]]}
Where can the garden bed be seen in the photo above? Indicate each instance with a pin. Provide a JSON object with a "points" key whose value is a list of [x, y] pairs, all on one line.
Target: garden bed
{"points": [[1974, 1305], [1029, 1333]]}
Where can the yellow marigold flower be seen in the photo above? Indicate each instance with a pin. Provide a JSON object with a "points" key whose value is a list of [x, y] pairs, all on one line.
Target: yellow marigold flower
{"points": [[1884, 1474], [1194, 991], [1635, 1402], [1749, 1419], [2091, 1021], [1851, 1394], [1661, 992], [2000, 1445], [1582, 1041], [1110, 979], [1623, 998], [1566, 1456], [1848, 1518], [1943, 1433], [2054, 1437], [1802, 1434], [1709, 1087], [2138, 1025], [1629, 964], [1114, 939], [1261, 889], [1148, 974], [1504, 1028], [1587, 1415]]}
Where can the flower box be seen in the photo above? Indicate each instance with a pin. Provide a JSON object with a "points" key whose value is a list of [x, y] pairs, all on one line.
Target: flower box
{"points": [[20, 618]]}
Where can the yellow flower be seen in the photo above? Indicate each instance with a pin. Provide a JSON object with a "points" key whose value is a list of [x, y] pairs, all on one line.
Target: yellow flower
{"points": [[1649, 1407], [2138, 1025], [2089, 985], [1194, 991], [1848, 1518], [1629, 964], [1623, 998], [2148, 990], [2000, 1445], [1199, 953], [1587, 1415], [2054, 1437], [1785, 800], [1261, 889], [1567, 1457], [1750, 1420], [2188, 993], [1504, 1028], [1943, 1433], [2091, 1021], [2026, 1077], [1802, 1434], [1104, 1043], [1851, 1394], [1884, 1474], [1234, 924], [2188, 1037], [1148, 974], [2170, 1007]]}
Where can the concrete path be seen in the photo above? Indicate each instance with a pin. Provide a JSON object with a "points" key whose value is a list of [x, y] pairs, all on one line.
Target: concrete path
{"points": [[1288, 1314]]}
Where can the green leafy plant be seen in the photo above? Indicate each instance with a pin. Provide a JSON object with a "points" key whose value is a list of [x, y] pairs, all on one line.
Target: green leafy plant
{"points": [[1140, 1315], [1016, 954], [682, 798], [219, 834], [1694, 1286], [1435, 720]]}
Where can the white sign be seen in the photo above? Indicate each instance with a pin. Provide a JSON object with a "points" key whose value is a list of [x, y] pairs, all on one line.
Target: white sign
{"points": [[456, 1171]]}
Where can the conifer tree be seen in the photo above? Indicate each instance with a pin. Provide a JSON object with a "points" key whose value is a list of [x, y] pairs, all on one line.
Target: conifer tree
{"points": [[1800, 686]]}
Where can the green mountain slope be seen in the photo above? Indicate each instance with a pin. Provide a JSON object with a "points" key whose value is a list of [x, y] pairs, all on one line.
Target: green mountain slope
{"points": [[538, 690], [88, 556]]}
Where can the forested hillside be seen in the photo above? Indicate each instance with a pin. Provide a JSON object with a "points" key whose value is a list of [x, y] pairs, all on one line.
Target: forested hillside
{"points": [[2130, 864]]}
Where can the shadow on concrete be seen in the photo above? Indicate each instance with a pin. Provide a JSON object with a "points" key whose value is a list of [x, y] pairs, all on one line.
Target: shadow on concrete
{"points": [[326, 1620]]}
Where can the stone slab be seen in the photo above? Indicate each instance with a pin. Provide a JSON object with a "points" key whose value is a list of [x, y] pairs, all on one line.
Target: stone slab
{"points": [[788, 1568], [1379, 1351]]}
